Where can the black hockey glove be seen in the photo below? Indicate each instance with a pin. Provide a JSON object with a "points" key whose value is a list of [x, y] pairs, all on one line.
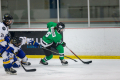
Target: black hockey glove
{"points": [[63, 44]]}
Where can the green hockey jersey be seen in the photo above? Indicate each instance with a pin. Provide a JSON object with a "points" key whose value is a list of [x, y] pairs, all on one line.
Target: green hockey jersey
{"points": [[52, 35]]}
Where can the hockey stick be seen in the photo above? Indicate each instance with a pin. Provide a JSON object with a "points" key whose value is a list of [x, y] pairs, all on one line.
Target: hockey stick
{"points": [[79, 58], [58, 53], [27, 70]]}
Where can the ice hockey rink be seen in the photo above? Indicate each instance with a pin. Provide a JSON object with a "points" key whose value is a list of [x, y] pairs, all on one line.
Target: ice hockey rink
{"points": [[99, 69]]}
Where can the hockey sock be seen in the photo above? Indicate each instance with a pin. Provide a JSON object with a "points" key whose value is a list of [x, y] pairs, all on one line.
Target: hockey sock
{"points": [[61, 56]]}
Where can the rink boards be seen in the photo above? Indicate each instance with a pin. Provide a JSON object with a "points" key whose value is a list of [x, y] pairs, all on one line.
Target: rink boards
{"points": [[87, 43]]}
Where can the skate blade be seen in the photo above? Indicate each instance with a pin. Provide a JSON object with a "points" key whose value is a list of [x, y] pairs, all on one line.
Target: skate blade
{"points": [[64, 64], [43, 63], [7, 73], [26, 65], [13, 73]]}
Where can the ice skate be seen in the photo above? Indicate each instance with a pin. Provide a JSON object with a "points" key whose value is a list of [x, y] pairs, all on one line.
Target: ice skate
{"points": [[26, 63], [44, 63], [64, 62], [11, 71]]}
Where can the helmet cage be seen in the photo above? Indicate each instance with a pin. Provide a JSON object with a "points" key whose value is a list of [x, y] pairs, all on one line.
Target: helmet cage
{"points": [[16, 41], [8, 19], [60, 26]]}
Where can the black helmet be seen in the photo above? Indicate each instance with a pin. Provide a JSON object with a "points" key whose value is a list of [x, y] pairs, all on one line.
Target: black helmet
{"points": [[60, 26], [16, 41], [7, 18]]}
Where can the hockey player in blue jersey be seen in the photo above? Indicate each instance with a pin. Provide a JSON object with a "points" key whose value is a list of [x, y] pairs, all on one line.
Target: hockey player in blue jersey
{"points": [[5, 49], [16, 43]]}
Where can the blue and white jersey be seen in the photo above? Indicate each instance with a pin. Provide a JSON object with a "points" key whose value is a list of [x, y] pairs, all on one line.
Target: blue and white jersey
{"points": [[24, 41], [3, 33]]}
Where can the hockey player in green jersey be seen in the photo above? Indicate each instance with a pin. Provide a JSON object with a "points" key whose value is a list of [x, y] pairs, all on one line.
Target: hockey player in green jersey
{"points": [[53, 39]]}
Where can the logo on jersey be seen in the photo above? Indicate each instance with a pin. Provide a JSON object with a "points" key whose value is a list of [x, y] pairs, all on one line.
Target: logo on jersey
{"points": [[3, 28]]}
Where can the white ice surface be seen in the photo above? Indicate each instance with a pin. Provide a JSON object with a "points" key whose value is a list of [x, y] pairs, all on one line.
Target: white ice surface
{"points": [[99, 69]]}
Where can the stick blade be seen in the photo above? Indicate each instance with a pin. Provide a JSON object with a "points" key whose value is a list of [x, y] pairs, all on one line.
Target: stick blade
{"points": [[87, 62], [30, 70]]}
